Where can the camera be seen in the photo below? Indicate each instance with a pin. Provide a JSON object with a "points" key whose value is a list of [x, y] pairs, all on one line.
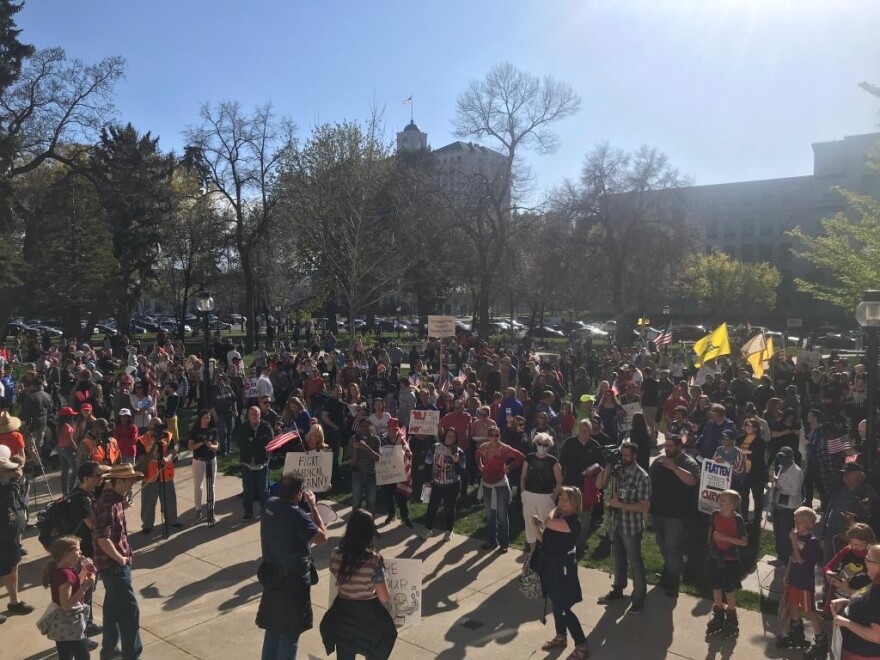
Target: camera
{"points": [[611, 454]]}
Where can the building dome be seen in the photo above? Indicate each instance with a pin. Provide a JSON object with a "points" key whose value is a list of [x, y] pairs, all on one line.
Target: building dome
{"points": [[410, 127]]}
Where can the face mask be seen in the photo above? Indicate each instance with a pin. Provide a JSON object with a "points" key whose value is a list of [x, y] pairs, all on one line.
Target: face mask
{"points": [[783, 460], [541, 450]]}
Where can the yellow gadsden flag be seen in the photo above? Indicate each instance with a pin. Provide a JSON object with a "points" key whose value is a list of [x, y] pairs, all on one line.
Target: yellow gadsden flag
{"points": [[712, 346]]}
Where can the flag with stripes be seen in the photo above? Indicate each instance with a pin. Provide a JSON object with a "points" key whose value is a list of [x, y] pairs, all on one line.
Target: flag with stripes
{"points": [[407, 101], [413, 379], [444, 386], [281, 440], [663, 338], [838, 445], [462, 378]]}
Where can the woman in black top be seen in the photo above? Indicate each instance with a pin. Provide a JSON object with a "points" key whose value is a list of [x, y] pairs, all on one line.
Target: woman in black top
{"points": [[640, 435], [558, 534], [203, 444], [752, 444], [858, 616], [539, 482]]}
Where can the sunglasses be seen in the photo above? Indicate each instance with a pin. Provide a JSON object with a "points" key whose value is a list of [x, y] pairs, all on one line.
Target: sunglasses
{"points": [[493, 435]]}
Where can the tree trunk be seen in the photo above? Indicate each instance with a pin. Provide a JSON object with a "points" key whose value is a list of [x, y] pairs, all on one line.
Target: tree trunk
{"points": [[250, 300], [483, 305]]}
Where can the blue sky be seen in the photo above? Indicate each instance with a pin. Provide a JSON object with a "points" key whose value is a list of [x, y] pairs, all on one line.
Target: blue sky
{"points": [[731, 90]]}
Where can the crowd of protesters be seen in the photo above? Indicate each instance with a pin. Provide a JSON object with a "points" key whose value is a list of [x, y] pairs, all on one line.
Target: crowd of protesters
{"points": [[550, 437]]}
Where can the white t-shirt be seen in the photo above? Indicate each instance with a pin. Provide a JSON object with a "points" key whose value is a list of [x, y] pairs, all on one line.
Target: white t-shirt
{"points": [[379, 425]]}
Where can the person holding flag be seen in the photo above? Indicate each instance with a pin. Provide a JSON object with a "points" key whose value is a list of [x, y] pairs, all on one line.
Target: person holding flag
{"points": [[713, 345]]}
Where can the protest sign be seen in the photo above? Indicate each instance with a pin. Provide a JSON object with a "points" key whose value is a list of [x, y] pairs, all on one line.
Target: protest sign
{"points": [[630, 409], [811, 359], [714, 478], [424, 422], [315, 468], [390, 468], [441, 326], [404, 578]]}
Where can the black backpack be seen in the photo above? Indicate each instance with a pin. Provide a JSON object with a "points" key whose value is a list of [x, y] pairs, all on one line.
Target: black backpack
{"points": [[52, 521]]}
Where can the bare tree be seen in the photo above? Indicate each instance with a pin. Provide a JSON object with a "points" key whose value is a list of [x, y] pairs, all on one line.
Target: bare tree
{"points": [[514, 110], [239, 157]]}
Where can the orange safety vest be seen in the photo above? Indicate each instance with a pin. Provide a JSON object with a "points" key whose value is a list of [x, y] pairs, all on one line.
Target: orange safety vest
{"points": [[148, 442], [98, 454]]}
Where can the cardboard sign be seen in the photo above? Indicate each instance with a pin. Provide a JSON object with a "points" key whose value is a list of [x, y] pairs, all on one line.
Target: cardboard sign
{"points": [[315, 468], [390, 468], [424, 422], [714, 479], [631, 409], [404, 578], [441, 326]]}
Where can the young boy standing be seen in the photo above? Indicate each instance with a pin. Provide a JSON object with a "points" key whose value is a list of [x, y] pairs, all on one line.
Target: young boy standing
{"points": [[727, 532], [801, 586]]}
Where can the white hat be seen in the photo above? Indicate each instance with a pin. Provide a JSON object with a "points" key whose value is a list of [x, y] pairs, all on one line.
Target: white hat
{"points": [[124, 411], [5, 458]]}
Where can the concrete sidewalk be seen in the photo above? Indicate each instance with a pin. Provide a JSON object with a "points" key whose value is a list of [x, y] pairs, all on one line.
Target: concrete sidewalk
{"points": [[198, 596]]}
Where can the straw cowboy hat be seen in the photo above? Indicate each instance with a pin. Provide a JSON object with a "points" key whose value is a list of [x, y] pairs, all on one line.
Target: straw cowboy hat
{"points": [[123, 471], [8, 423]]}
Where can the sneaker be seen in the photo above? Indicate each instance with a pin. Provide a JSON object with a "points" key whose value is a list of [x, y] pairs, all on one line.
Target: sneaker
{"points": [[23, 552], [502, 549], [199, 516], [94, 629], [19, 608], [177, 525], [425, 533], [146, 530], [2, 619], [612, 595], [92, 644], [448, 536], [488, 545], [636, 608], [406, 522], [390, 519]]}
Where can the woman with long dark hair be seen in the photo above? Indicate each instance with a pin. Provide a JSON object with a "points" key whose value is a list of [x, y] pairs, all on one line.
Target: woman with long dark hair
{"points": [[641, 437], [357, 621], [204, 443]]}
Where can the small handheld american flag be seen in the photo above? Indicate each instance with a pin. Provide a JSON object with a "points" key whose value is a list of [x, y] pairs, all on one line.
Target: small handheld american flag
{"points": [[838, 445], [663, 338]]}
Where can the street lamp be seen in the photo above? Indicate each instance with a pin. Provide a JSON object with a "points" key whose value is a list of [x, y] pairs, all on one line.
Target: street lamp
{"points": [[205, 304], [868, 316]]}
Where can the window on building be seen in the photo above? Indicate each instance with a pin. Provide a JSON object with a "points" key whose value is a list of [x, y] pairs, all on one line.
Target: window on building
{"points": [[766, 252], [748, 226], [766, 228], [748, 252], [785, 252], [729, 230], [712, 229]]}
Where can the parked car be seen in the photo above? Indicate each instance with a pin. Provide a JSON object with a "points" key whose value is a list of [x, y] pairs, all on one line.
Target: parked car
{"points": [[544, 332], [216, 324], [688, 332], [842, 341], [42, 329], [15, 327], [107, 329]]}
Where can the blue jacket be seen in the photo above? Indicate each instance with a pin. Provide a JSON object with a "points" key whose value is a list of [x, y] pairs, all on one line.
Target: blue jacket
{"points": [[710, 439]]}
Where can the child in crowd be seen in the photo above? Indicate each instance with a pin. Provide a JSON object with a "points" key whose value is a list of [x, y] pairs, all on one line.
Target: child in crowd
{"points": [[727, 532], [846, 572], [800, 588]]}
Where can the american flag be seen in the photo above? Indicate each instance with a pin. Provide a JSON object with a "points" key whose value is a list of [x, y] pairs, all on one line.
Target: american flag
{"points": [[838, 445], [413, 379], [281, 440], [663, 338], [462, 378], [444, 386]]}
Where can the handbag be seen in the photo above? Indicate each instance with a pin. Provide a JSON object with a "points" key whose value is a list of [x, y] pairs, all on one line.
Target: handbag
{"points": [[536, 558], [530, 581], [63, 626]]}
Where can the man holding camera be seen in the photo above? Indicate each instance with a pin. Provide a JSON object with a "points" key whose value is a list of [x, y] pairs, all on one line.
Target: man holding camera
{"points": [[630, 500]]}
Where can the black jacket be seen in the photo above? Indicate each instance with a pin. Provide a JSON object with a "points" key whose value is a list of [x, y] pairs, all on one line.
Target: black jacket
{"points": [[364, 626], [286, 603], [252, 442]]}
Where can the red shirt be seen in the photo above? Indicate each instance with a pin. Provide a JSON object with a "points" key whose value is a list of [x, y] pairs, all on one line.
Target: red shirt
{"points": [[493, 465], [670, 406], [311, 387], [13, 440], [65, 433], [126, 438], [63, 576], [461, 422]]}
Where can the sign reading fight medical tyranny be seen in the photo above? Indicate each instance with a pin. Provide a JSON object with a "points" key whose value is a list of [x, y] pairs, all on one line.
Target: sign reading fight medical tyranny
{"points": [[714, 479], [314, 467], [441, 326]]}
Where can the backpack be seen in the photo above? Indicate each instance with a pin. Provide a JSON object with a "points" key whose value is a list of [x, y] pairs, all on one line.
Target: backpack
{"points": [[52, 521]]}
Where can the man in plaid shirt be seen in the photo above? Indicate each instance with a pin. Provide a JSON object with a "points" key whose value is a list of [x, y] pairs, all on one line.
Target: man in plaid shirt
{"points": [[113, 561], [630, 499]]}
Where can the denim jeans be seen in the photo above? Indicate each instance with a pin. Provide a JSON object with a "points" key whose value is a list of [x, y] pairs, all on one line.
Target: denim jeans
{"points": [[121, 614], [225, 426], [67, 462], [783, 523], [671, 534], [363, 484], [496, 519], [255, 484], [626, 551], [279, 647]]}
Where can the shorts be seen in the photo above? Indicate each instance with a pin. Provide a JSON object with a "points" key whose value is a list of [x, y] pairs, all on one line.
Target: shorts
{"points": [[801, 599], [10, 553], [724, 576]]}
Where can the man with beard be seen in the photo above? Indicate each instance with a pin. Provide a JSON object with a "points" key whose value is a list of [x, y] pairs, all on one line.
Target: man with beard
{"points": [[674, 480], [630, 501]]}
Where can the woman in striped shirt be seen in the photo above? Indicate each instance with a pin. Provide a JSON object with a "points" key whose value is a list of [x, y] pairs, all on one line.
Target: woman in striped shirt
{"points": [[357, 621]]}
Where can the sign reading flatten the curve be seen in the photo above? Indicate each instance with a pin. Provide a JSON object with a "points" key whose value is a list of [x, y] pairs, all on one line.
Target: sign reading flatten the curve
{"points": [[714, 479], [314, 467], [441, 326]]}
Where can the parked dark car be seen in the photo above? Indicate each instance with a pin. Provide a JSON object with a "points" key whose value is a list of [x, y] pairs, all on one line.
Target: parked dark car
{"points": [[688, 332], [844, 341], [545, 332]]}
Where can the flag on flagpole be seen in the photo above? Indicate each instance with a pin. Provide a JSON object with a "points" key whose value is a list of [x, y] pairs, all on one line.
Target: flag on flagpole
{"points": [[838, 445], [712, 346], [444, 386], [407, 101], [281, 440], [753, 352], [663, 339]]}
